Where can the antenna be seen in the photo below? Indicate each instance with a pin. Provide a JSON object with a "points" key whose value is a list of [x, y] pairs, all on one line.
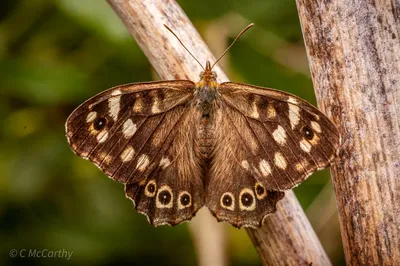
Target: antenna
{"points": [[237, 37], [184, 46]]}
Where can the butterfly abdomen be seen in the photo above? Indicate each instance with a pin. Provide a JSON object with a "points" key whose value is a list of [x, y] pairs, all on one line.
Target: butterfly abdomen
{"points": [[206, 138]]}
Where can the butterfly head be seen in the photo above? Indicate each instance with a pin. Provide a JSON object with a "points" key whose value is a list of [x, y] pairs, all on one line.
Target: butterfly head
{"points": [[208, 80], [208, 75]]}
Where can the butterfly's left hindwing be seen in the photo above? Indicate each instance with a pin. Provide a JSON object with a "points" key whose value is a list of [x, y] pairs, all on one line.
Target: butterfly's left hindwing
{"points": [[142, 135]]}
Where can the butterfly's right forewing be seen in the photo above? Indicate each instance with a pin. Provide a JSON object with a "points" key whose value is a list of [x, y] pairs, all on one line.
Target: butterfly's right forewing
{"points": [[285, 139], [142, 135]]}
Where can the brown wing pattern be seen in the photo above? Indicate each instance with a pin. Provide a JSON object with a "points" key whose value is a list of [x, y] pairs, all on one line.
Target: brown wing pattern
{"points": [[142, 135], [233, 194], [284, 138], [151, 138]]}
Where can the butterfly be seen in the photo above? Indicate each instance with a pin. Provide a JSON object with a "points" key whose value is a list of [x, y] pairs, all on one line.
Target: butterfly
{"points": [[178, 145]]}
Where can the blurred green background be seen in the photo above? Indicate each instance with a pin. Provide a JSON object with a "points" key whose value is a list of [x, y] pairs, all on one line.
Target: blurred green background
{"points": [[55, 54]]}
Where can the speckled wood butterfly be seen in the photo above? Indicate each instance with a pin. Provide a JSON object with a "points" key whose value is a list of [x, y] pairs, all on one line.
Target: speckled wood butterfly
{"points": [[178, 145]]}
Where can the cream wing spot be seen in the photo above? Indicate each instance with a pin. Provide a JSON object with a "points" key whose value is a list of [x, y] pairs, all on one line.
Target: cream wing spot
{"points": [[316, 126], [271, 112], [305, 145], [98, 159], [254, 112], [292, 100], [165, 162], [91, 117], [227, 201], [127, 154], [280, 160], [74, 146], [247, 201], [114, 104], [279, 135], [245, 164], [142, 163], [253, 143], [265, 168], [184, 200], [155, 108], [102, 136], [294, 115], [300, 167], [260, 191], [107, 160], [116, 93], [150, 189], [143, 182], [138, 106], [164, 198], [128, 129]]}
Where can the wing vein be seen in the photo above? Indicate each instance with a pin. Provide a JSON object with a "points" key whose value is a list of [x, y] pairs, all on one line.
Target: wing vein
{"points": [[169, 145], [280, 148], [272, 161], [120, 123], [230, 119], [305, 122]]}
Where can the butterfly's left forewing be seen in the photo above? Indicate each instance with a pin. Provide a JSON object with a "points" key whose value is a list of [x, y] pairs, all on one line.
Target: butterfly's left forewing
{"points": [[142, 135]]}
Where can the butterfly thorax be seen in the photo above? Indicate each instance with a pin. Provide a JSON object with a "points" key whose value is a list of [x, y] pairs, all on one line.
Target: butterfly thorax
{"points": [[207, 90]]}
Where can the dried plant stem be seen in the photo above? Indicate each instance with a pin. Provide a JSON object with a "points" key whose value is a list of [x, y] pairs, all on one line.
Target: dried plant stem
{"points": [[354, 54], [286, 237]]}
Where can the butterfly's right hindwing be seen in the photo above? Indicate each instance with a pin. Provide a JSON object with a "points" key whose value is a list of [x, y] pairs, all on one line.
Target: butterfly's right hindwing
{"points": [[233, 194], [139, 134]]}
